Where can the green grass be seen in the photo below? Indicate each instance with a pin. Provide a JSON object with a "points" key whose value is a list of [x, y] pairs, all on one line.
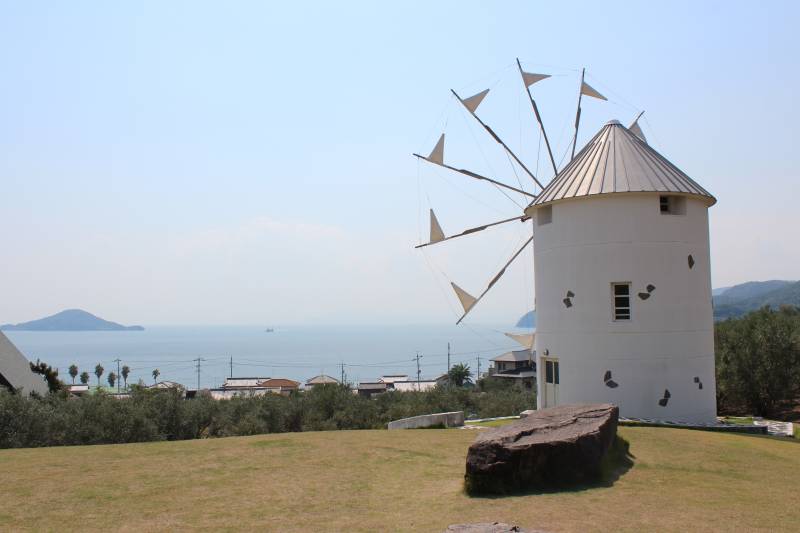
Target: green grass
{"points": [[739, 420], [390, 481]]}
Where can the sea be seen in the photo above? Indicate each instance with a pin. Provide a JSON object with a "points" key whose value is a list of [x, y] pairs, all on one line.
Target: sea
{"points": [[361, 353]]}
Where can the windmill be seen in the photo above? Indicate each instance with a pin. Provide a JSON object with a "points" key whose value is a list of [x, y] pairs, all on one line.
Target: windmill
{"points": [[622, 271]]}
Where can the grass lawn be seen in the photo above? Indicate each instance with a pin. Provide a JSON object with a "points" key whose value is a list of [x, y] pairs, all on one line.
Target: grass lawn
{"points": [[390, 481]]}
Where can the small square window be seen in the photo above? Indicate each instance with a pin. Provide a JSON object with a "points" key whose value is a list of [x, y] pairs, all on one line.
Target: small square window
{"points": [[544, 215], [621, 301], [672, 205]]}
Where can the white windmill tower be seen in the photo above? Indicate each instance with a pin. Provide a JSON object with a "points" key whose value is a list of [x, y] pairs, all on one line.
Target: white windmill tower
{"points": [[622, 275]]}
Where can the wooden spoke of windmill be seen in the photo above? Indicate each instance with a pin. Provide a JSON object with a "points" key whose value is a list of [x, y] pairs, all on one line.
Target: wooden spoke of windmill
{"points": [[468, 301], [437, 235]]}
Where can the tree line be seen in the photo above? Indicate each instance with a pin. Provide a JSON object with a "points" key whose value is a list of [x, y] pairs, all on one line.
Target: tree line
{"points": [[163, 414], [758, 362], [112, 378]]}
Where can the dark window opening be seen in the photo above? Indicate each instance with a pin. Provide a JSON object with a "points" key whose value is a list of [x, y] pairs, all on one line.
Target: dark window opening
{"points": [[672, 205], [621, 301]]}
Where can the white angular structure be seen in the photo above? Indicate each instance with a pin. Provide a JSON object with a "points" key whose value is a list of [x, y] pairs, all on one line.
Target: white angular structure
{"points": [[623, 284], [15, 371]]}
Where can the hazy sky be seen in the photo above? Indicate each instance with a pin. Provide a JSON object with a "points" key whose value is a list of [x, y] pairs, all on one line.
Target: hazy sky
{"points": [[249, 162]]}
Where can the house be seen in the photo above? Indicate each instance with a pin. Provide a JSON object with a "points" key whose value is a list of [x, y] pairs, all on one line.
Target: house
{"points": [[416, 386], [513, 360], [517, 365], [78, 390], [15, 370], [232, 382], [253, 386], [391, 379], [280, 385], [231, 392], [167, 385], [369, 389], [322, 379], [623, 283]]}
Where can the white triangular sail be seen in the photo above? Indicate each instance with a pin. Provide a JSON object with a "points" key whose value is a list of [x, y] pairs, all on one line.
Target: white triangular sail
{"points": [[530, 78], [437, 155], [437, 234], [466, 299], [588, 90], [637, 130], [525, 340], [474, 101]]}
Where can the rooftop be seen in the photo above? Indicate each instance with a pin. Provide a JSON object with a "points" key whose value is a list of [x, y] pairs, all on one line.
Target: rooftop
{"points": [[617, 161], [515, 355]]}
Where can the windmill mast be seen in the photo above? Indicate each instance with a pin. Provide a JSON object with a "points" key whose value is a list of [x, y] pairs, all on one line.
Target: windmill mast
{"points": [[538, 117], [578, 115], [498, 139]]}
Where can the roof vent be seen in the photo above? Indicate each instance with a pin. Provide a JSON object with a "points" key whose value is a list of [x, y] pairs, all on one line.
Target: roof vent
{"points": [[613, 123]]}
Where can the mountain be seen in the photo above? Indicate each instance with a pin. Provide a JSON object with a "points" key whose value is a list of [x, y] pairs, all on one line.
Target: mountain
{"points": [[750, 289], [741, 299], [528, 320], [70, 320]]}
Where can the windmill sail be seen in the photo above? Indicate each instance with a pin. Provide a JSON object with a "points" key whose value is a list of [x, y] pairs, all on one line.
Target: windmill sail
{"points": [[524, 340], [530, 78], [637, 130], [437, 235], [588, 90], [437, 154], [466, 299], [470, 231], [474, 101]]}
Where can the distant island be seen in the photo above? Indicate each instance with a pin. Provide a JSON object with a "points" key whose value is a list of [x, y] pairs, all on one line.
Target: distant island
{"points": [[70, 320], [732, 301]]}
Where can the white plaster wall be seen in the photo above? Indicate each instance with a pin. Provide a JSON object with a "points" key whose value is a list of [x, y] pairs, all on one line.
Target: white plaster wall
{"points": [[592, 242]]}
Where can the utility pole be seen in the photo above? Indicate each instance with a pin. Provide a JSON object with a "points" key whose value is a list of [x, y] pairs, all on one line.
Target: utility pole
{"points": [[117, 360], [231, 367], [448, 358], [198, 371], [418, 370], [478, 375], [342, 365]]}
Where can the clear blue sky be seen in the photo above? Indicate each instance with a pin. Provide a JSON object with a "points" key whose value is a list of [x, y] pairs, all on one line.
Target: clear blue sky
{"points": [[249, 162]]}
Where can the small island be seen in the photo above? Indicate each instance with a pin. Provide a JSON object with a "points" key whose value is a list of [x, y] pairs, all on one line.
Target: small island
{"points": [[70, 320]]}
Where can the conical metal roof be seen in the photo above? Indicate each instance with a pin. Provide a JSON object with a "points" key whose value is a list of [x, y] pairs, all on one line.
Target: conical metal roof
{"points": [[617, 161]]}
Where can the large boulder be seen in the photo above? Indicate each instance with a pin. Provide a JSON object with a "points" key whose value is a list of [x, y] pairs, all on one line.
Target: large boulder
{"points": [[553, 448]]}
